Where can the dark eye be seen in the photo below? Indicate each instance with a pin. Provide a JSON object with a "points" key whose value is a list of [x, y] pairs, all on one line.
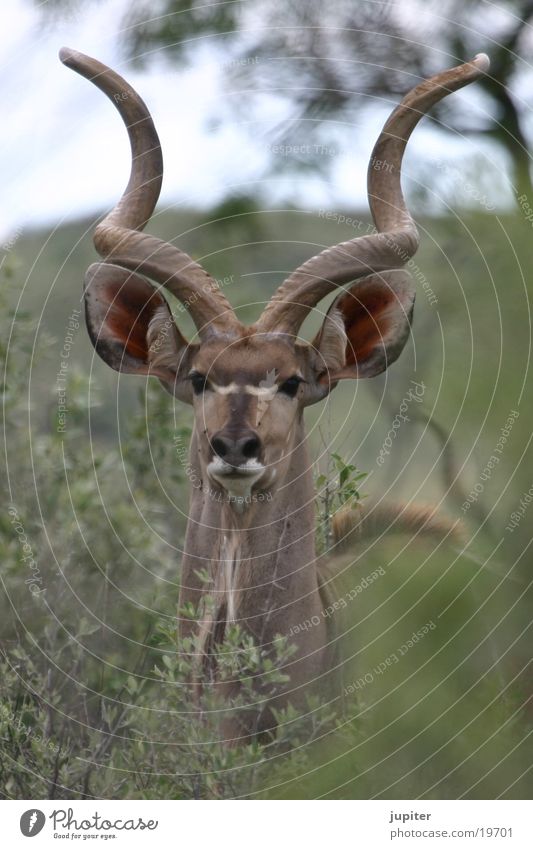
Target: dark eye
{"points": [[290, 386], [199, 382]]}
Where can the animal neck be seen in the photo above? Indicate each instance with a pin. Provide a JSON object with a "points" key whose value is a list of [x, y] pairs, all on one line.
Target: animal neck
{"points": [[258, 557]]}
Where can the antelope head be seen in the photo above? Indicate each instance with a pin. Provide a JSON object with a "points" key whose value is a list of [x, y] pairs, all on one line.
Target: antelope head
{"points": [[249, 384]]}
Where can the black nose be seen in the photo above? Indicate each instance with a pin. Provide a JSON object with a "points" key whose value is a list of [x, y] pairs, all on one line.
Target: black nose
{"points": [[237, 451]]}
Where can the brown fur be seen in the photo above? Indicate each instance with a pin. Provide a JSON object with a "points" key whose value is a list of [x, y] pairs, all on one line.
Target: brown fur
{"points": [[353, 526]]}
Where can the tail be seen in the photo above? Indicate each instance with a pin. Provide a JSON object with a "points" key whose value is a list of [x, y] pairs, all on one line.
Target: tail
{"points": [[351, 526]]}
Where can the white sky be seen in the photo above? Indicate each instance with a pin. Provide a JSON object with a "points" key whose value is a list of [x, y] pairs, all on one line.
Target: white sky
{"points": [[64, 151]]}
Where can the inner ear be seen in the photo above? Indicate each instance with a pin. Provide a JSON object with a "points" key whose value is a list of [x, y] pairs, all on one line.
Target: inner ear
{"points": [[367, 326], [130, 323]]}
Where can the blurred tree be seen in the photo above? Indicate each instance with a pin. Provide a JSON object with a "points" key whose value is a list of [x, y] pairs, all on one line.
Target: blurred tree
{"points": [[329, 60], [316, 46]]}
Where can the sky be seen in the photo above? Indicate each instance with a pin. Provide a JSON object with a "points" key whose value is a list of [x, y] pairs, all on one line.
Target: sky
{"points": [[64, 152]]}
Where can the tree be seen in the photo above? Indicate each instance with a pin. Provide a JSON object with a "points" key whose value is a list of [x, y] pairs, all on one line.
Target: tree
{"points": [[333, 60], [330, 60]]}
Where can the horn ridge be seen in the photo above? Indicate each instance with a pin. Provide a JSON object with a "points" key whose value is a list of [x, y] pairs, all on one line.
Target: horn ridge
{"points": [[396, 239], [118, 238]]}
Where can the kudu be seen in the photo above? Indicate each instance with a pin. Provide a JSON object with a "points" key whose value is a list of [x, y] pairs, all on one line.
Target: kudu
{"points": [[251, 521]]}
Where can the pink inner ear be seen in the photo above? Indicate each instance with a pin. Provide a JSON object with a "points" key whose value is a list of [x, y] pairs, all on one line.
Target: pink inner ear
{"points": [[124, 314], [367, 319], [131, 308]]}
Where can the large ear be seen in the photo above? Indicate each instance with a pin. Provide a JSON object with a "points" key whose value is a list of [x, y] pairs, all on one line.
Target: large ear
{"points": [[130, 324], [366, 327]]}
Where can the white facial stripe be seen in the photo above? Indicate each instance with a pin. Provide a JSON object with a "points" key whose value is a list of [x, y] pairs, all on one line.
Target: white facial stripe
{"points": [[232, 388], [266, 392]]}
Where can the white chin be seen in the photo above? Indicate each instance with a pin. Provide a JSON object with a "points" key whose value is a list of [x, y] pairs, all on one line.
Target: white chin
{"points": [[236, 480]]}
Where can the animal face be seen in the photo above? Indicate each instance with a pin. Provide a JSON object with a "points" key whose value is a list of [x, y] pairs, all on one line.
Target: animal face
{"points": [[247, 396]]}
